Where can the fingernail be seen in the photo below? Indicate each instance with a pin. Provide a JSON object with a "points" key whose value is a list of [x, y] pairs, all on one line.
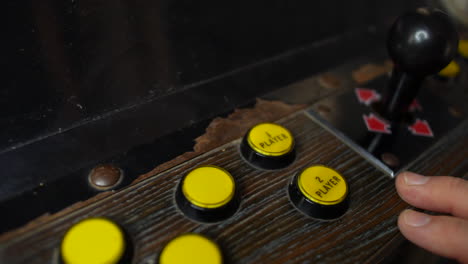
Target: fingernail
{"points": [[415, 179], [416, 219]]}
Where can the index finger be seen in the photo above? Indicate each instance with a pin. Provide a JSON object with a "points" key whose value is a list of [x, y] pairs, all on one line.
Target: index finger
{"points": [[437, 193]]}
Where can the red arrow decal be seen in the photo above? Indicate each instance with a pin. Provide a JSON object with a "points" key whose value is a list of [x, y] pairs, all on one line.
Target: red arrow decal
{"points": [[375, 124], [367, 96], [415, 105], [421, 128]]}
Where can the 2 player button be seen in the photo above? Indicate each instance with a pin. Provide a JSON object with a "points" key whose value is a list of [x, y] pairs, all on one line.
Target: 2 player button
{"points": [[319, 192]]}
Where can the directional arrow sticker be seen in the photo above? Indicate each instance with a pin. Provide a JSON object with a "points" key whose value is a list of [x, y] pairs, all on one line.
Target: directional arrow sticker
{"points": [[421, 128], [415, 106], [376, 124], [367, 96]]}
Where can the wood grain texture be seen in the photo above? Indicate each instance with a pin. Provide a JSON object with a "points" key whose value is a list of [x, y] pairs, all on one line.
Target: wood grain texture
{"points": [[223, 130], [267, 228], [219, 132]]}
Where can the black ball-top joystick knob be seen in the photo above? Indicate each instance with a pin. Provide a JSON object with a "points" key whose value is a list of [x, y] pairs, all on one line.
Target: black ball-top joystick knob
{"points": [[420, 43]]}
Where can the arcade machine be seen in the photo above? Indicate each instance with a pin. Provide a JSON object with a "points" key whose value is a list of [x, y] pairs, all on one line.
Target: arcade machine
{"points": [[223, 132]]}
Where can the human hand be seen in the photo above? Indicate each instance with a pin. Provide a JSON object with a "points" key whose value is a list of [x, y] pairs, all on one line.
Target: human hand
{"points": [[444, 235]]}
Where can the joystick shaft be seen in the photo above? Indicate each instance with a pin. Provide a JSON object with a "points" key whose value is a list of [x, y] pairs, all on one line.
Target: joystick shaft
{"points": [[401, 91]]}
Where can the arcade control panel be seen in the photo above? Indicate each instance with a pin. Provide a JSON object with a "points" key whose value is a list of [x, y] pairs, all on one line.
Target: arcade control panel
{"points": [[283, 183]]}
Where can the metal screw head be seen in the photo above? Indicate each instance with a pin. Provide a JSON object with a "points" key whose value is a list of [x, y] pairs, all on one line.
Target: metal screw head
{"points": [[330, 81], [323, 109], [105, 177], [455, 112], [390, 159]]}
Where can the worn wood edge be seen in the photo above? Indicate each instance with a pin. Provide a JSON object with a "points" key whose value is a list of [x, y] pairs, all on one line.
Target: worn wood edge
{"points": [[196, 161], [239, 121], [15, 235], [199, 147], [370, 71], [203, 145], [159, 169], [425, 167], [458, 132], [31, 229]]}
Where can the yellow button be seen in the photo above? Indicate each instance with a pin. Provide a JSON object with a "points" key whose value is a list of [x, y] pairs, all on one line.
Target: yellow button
{"points": [[463, 48], [208, 187], [323, 185], [451, 70], [270, 139], [191, 248], [93, 241]]}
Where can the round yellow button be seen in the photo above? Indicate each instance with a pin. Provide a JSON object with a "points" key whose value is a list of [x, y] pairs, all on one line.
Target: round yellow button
{"points": [[93, 241], [451, 70], [322, 185], [191, 248], [208, 187], [270, 139], [463, 48]]}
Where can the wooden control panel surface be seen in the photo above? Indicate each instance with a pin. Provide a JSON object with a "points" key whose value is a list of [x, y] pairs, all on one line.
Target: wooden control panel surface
{"points": [[266, 228]]}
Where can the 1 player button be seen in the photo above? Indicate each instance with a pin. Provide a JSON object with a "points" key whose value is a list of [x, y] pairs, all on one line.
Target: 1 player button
{"points": [[268, 146], [319, 192]]}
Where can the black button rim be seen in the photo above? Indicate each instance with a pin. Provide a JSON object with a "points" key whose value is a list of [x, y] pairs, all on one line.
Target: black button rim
{"points": [[265, 162], [207, 215], [312, 209]]}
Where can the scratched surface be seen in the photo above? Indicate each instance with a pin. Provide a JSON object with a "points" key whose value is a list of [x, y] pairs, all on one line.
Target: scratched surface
{"points": [[267, 228]]}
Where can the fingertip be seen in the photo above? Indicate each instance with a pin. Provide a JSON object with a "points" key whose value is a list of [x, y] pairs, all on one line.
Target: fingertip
{"points": [[414, 179], [400, 222], [401, 219], [411, 218], [409, 185], [412, 224], [435, 193], [401, 186], [410, 178], [400, 181]]}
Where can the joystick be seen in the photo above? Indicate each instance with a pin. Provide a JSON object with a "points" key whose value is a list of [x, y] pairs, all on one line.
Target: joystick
{"points": [[381, 119], [420, 43]]}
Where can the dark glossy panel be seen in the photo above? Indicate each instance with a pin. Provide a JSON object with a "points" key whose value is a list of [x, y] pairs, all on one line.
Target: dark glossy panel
{"points": [[138, 138], [66, 62]]}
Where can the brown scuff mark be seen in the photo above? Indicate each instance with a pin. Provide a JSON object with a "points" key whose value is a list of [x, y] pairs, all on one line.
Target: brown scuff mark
{"points": [[224, 130], [330, 80], [219, 132], [370, 71]]}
